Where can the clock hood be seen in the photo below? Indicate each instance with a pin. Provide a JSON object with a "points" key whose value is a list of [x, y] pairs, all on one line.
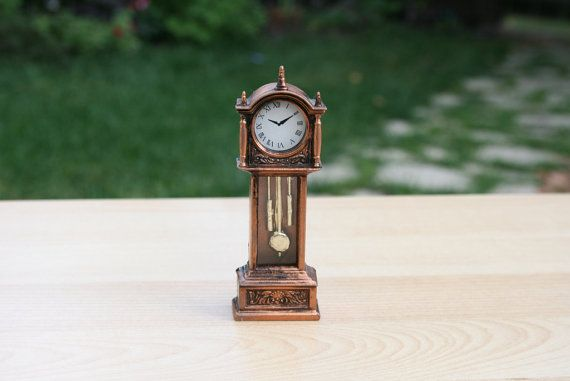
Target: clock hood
{"points": [[246, 105]]}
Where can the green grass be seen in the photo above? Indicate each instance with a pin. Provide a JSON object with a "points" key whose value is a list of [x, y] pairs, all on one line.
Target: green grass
{"points": [[161, 122], [536, 26]]}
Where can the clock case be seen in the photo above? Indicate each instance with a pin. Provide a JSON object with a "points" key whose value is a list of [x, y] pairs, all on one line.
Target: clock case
{"points": [[278, 292]]}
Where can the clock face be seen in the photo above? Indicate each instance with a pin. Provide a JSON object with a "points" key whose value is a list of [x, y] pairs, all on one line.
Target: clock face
{"points": [[280, 125]]}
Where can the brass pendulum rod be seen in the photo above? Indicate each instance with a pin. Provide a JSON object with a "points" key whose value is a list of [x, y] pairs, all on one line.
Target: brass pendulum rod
{"points": [[279, 240], [278, 208], [269, 206], [289, 203]]}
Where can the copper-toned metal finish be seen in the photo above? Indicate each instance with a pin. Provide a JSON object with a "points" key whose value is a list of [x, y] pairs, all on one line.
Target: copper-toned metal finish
{"points": [[282, 171], [317, 141], [264, 296], [281, 85], [242, 141], [301, 221], [271, 89], [272, 286], [253, 206]]}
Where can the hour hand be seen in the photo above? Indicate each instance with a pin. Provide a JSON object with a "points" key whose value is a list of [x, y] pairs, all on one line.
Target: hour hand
{"points": [[272, 121]]}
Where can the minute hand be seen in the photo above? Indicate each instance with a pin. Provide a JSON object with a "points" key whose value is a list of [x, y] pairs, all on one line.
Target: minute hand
{"points": [[285, 120]]}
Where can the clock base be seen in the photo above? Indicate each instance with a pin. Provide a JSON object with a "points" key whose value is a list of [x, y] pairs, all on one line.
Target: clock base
{"points": [[276, 293], [257, 315]]}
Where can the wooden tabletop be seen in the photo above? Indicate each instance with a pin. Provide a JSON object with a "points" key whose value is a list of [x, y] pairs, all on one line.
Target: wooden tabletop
{"points": [[412, 288]]}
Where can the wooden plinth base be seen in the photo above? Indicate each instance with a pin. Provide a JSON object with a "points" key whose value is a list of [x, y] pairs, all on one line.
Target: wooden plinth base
{"points": [[276, 293]]}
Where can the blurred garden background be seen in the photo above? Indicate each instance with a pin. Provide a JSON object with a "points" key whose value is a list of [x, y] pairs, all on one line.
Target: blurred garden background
{"points": [[135, 98]]}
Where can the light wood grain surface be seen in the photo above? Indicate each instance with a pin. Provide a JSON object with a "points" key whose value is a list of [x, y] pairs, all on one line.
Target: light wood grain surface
{"points": [[410, 288]]}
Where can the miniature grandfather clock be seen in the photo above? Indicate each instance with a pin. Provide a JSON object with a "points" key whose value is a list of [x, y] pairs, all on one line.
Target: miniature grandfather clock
{"points": [[279, 145]]}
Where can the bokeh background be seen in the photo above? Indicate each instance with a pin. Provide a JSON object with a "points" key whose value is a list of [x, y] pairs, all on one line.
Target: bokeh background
{"points": [[135, 98]]}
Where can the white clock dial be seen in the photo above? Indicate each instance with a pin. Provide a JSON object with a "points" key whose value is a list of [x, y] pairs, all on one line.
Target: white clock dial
{"points": [[280, 125]]}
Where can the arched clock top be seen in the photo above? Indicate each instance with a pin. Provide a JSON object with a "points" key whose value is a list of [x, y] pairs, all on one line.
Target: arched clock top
{"points": [[247, 105]]}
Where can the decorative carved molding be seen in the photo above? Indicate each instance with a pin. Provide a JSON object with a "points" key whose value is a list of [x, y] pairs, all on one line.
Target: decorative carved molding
{"points": [[278, 298], [300, 158], [258, 158]]}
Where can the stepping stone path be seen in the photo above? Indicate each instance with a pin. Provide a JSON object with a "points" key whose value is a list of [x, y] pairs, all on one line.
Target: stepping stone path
{"points": [[513, 125]]}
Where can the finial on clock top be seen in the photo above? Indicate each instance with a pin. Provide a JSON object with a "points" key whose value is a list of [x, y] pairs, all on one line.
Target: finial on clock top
{"points": [[281, 85], [318, 100]]}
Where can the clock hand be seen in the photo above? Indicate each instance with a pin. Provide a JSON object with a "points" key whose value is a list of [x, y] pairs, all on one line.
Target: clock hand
{"points": [[285, 120], [277, 123]]}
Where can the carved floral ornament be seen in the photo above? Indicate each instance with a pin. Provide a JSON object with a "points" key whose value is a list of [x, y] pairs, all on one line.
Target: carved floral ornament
{"points": [[280, 298], [297, 159]]}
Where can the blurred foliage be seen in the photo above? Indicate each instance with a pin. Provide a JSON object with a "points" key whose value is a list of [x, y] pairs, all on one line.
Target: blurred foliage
{"points": [[479, 15], [10, 7], [74, 34], [60, 27], [203, 21], [53, 28], [352, 14], [35, 33]]}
